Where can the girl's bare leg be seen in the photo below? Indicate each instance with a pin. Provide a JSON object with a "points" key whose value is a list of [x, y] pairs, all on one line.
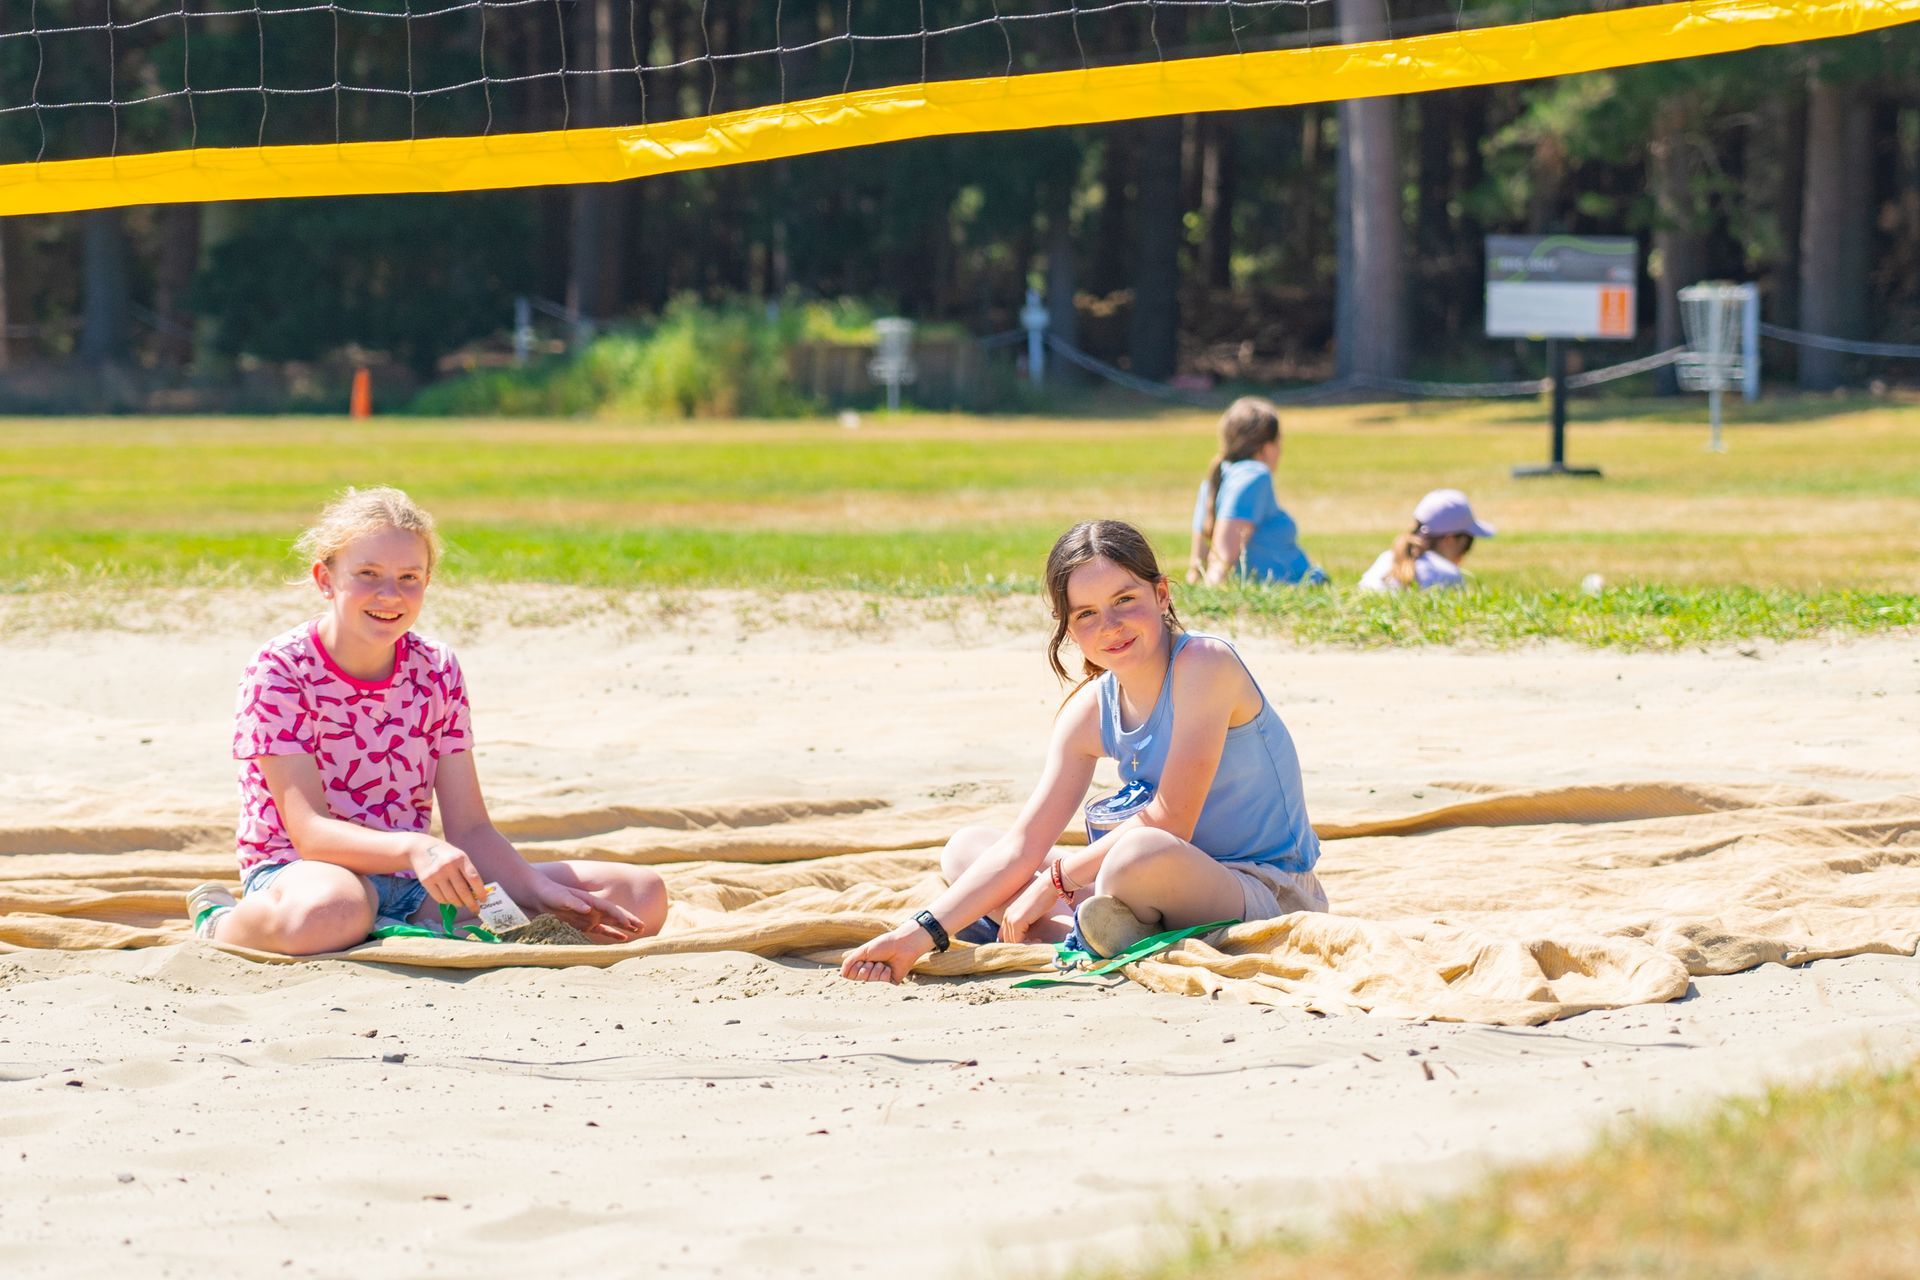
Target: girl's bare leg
{"points": [[1168, 882], [638, 889], [308, 909], [964, 849]]}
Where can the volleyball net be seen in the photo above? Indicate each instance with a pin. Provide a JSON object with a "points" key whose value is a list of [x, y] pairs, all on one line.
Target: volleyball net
{"points": [[118, 102]]}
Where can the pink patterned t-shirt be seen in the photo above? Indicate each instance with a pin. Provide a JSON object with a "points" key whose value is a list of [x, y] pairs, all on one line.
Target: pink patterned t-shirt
{"points": [[377, 742]]}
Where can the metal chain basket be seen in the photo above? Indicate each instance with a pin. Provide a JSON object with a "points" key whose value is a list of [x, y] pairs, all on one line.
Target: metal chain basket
{"points": [[1714, 315], [1711, 313]]}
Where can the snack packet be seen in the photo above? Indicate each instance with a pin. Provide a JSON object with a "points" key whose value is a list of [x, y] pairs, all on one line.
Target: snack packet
{"points": [[498, 913]]}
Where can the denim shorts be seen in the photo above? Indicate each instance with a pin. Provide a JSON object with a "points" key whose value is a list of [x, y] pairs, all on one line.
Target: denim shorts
{"points": [[397, 897]]}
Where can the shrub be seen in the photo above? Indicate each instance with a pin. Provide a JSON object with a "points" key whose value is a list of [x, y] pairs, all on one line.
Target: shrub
{"points": [[697, 360]]}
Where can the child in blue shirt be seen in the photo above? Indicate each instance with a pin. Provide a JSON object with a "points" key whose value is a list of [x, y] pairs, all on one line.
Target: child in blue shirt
{"points": [[1219, 826], [1238, 524]]}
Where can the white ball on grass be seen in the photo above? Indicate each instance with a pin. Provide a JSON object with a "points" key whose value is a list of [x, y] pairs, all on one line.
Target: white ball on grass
{"points": [[1593, 584]]}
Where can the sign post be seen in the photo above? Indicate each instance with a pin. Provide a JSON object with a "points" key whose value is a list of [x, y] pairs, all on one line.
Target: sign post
{"points": [[1561, 288]]}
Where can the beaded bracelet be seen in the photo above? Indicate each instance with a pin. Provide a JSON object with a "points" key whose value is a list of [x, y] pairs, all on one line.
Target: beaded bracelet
{"points": [[1059, 877]]}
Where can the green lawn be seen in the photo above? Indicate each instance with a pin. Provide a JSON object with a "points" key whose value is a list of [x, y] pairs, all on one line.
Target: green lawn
{"points": [[1798, 1183], [1811, 520]]}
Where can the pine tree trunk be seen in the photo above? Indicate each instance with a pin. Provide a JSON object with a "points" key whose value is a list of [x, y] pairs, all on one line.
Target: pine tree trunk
{"points": [[1063, 315], [1153, 329], [1433, 301], [779, 266], [1110, 238], [6, 314], [103, 274], [1835, 228], [1679, 250], [1777, 171], [1432, 235], [597, 209], [1467, 121], [1307, 244], [1546, 175], [179, 259], [1904, 222], [1217, 195], [1370, 296]]}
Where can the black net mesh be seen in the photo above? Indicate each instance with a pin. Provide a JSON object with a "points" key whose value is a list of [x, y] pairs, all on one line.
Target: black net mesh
{"points": [[83, 78]]}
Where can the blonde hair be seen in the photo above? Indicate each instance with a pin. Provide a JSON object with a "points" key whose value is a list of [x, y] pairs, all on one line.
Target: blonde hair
{"points": [[1249, 425], [359, 512]]}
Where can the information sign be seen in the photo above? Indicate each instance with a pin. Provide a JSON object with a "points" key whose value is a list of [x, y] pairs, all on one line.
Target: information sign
{"points": [[1561, 286]]}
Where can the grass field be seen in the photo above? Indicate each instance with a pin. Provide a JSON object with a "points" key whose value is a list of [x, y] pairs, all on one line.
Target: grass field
{"points": [[1819, 1181], [1811, 521]]}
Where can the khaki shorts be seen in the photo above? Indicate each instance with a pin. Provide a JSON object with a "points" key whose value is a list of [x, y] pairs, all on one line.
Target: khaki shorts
{"points": [[1267, 892]]}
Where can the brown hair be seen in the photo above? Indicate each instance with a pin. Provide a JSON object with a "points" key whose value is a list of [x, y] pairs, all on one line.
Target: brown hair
{"points": [[358, 512], [1411, 545], [1248, 426], [1407, 550], [1090, 540]]}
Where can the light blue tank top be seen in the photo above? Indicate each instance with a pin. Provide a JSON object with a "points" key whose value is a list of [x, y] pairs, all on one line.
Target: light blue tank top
{"points": [[1273, 551], [1255, 811]]}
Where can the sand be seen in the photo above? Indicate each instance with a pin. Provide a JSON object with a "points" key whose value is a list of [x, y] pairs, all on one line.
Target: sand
{"points": [[176, 1108], [548, 931]]}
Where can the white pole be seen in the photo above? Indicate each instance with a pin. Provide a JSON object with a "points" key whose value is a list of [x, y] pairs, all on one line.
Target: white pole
{"points": [[1750, 342], [522, 331], [1033, 318]]}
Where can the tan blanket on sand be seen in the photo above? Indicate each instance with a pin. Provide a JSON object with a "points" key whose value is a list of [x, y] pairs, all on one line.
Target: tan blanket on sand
{"points": [[1506, 907]]}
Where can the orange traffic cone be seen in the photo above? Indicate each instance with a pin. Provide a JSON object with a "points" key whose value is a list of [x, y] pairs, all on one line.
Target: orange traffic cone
{"points": [[360, 405]]}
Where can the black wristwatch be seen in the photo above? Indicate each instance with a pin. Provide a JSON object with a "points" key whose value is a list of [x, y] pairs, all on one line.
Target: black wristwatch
{"points": [[934, 930]]}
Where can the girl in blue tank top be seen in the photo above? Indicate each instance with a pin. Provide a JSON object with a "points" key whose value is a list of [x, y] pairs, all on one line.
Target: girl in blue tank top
{"points": [[1216, 826]]}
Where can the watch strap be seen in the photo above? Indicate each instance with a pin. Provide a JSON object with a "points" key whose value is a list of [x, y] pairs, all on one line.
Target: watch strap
{"points": [[934, 930]]}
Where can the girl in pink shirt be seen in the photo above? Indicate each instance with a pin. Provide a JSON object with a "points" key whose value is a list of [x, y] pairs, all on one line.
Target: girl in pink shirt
{"points": [[347, 728]]}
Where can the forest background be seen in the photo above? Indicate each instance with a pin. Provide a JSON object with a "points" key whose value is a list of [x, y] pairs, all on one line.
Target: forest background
{"points": [[1258, 246]]}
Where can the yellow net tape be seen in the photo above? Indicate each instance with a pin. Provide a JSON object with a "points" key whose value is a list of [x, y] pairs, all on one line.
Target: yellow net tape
{"points": [[1231, 82]]}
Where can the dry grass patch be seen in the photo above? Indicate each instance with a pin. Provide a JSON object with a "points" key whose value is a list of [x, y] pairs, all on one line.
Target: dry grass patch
{"points": [[1800, 1183]]}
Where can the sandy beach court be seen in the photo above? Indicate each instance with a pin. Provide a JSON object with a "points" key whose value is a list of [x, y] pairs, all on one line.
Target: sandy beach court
{"points": [[174, 1108]]}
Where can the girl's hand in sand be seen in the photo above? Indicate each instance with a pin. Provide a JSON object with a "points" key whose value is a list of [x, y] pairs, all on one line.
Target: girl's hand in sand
{"points": [[1029, 908], [588, 912], [448, 874], [888, 957]]}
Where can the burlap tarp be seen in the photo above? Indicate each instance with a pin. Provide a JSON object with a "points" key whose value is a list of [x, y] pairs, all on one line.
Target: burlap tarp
{"points": [[1506, 907]]}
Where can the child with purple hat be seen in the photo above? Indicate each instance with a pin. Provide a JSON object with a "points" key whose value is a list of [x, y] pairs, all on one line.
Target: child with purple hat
{"points": [[1429, 554]]}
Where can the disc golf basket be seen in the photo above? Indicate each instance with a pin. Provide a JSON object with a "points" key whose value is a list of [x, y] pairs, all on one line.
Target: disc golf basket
{"points": [[1713, 315], [892, 363]]}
